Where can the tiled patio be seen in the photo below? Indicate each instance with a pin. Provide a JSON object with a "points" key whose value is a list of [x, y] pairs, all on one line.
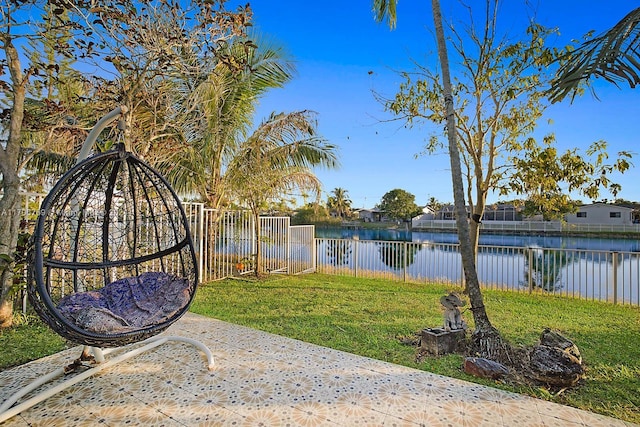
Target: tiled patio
{"points": [[267, 380]]}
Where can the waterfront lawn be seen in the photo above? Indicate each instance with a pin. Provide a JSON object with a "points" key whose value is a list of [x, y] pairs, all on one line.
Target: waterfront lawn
{"points": [[369, 317]]}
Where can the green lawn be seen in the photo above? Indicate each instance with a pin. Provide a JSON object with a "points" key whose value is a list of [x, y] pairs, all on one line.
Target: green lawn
{"points": [[367, 317]]}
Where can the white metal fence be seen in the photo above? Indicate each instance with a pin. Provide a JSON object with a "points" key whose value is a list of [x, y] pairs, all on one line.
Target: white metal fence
{"points": [[226, 247], [585, 274], [226, 244], [530, 226]]}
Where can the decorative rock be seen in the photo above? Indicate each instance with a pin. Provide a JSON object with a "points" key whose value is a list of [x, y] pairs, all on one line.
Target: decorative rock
{"points": [[554, 339], [554, 366], [484, 368]]}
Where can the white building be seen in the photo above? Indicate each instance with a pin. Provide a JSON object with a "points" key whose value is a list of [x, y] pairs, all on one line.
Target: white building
{"points": [[601, 213], [370, 215]]}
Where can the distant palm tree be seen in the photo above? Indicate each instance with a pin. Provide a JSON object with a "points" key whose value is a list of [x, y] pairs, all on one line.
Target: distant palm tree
{"points": [[339, 202], [614, 56], [486, 339]]}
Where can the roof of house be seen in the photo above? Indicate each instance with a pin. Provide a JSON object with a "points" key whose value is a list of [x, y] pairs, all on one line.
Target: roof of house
{"points": [[608, 205]]}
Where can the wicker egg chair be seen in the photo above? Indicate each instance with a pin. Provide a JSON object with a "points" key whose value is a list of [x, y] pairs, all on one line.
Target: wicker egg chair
{"points": [[112, 258], [112, 263]]}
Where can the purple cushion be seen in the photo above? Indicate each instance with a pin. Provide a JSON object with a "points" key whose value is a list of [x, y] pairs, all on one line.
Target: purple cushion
{"points": [[127, 304]]}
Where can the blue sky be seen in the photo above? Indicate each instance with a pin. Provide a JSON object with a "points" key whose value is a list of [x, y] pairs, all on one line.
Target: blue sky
{"points": [[342, 56]]}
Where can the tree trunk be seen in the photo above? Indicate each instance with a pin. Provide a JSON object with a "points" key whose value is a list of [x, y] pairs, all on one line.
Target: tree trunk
{"points": [[10, 202], [474, 226], [486, 340], [9, 223]]}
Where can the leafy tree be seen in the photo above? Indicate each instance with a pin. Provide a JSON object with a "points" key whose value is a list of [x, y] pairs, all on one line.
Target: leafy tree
{"points": [[311, 213], [22, 75], [339, 202], [399, 204], [159, 61], [59, 107], [434, 204], [278, 158], [487, 341], [224, 100], [613, 56], [138, 49], [499, 94], [546, 176]]}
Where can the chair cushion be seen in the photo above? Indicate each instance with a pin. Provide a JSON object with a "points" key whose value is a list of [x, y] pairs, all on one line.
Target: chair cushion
{"points": [[127, 304]]}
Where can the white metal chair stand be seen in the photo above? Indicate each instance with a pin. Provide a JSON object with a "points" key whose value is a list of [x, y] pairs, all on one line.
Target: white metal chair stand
{"points": [[91, 362]]}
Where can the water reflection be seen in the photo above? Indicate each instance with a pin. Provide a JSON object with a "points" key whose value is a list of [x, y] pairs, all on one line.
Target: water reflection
{"points": [[522, 241], [397, 255], [339, 252], [543, 268], [365, 234]]}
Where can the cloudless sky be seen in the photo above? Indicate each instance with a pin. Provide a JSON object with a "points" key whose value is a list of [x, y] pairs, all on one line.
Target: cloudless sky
{"points": [[343, 56]]}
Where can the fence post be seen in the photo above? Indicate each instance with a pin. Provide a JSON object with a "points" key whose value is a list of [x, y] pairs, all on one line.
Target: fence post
{"points": [[314, 250], [355, 258], [288, 247], [463, 278], [530, 255], [201, 240], [404, 261], [615, 276]]}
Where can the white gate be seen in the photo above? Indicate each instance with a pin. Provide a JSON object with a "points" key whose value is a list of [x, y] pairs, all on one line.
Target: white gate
{"points": [[226, 246], [286, 249]]}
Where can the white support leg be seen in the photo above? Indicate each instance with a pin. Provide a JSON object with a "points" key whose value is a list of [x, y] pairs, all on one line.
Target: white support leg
{"points": [[8, 410]]}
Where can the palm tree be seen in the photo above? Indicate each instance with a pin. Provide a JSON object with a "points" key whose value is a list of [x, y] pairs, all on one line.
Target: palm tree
{"points": [[613, 56], [278, 158], [486, 340], [224, 101], [339, 202]]}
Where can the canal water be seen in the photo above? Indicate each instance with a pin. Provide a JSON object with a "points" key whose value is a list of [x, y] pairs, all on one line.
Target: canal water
{"points": [[621, 244]]}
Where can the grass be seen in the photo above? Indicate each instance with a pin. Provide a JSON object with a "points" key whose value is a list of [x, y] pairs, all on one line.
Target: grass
{"points": [[368, 316], [27, 340]]}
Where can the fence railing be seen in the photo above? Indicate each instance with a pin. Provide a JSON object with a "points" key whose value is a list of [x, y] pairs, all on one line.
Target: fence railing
{"points": [[531, 226], [226, 245], [585, 274]]}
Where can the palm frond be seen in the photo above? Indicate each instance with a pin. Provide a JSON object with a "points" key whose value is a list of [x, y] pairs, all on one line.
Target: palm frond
{"points": [[613, 56], [385, 9]]}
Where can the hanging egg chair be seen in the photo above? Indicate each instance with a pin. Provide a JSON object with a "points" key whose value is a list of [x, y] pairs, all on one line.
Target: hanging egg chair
{"points": [[112, 258]]}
